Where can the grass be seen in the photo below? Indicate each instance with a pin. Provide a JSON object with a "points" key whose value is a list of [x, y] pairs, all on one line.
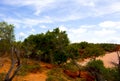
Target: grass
{"points": [[32, 68], [56, 74]]}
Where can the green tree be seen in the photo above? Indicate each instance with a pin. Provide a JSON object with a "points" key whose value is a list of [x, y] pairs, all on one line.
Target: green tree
{"points": [[6, 36], [49, 46]]}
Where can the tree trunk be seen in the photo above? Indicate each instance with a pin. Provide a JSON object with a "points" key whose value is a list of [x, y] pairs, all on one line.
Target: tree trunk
{"points": [[9, 76]]}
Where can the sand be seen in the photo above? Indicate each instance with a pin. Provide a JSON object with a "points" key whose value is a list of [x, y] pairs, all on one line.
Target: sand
{"points": [[109, 59]]}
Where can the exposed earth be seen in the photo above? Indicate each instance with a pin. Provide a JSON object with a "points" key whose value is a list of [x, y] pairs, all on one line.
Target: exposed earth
{"points": [[5, 63]]}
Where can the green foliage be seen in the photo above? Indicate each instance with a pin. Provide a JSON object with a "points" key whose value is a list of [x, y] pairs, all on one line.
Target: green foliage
{"points": [[111, 74], [72, 51], [96, 64], [108, 47], [56, 74], [60, 57], [6, 37], [97, 67], [71, 66], [49, 46], [83, 45], [29, 68], [93, 51]]}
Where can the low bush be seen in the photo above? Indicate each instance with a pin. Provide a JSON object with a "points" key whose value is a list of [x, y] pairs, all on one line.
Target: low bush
{"points": [[71, 66], [33, 68], [56, 74], [97, 69]]}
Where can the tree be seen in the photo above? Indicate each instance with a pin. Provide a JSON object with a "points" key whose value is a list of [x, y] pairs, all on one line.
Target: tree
{"points": [[15, 64], [6, 36], [7, 42], [49, 46]]}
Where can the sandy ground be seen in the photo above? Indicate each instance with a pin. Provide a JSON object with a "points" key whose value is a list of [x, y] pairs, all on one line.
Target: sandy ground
{"points": [[108, 60], [41, 76]]}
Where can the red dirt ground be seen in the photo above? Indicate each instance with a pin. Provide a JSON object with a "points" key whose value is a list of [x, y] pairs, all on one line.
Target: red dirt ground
{"points": [[41, 76]]}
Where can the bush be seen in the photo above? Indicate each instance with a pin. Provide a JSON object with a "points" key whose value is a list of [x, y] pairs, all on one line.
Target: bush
{"points": [[71, 66], [108, 47], [96, 64], [34, 68], [93, 51], [112, 74], [96, 67], [56, 74]]}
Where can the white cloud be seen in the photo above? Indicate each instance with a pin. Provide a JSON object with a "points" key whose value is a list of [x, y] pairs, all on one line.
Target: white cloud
{"points": [[27, 22], [109, 7], [105, 33], [90, 3], [77, 30], [67, 10], [98, 33], [37, 5], [63, 28], [32, 31], [22, 34], [43, 26], [110, 24]]}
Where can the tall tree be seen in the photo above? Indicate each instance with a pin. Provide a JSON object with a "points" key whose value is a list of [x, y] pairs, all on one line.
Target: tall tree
{"points": [[6, 36], [7, 40]]}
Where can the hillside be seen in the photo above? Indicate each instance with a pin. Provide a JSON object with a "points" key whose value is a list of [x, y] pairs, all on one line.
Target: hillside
{"points": [[41, 76]]}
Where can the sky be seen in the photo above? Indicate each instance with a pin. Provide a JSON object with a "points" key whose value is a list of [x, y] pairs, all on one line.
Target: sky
{"points": [[95, 21]]}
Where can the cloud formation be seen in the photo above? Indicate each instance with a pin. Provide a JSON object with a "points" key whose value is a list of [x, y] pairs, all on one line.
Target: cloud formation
{"points": [[84, 20]]}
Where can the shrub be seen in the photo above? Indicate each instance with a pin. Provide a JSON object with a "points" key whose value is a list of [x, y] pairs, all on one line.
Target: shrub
{"points": [[71, 66], [29, 68], [108, 47], [96, 67], [56, 74]]}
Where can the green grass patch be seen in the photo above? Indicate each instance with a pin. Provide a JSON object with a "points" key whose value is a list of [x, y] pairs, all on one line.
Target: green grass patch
{"points": [[33, 68]]}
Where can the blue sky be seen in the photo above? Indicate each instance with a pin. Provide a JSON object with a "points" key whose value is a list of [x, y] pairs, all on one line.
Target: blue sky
{"points": [[96, 21]]}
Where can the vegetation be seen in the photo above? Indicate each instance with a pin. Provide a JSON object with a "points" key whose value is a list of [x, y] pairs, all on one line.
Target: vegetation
{"points": [[6, 37], [97, 69], [33, 68], [54, 47], [47, 47]]}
